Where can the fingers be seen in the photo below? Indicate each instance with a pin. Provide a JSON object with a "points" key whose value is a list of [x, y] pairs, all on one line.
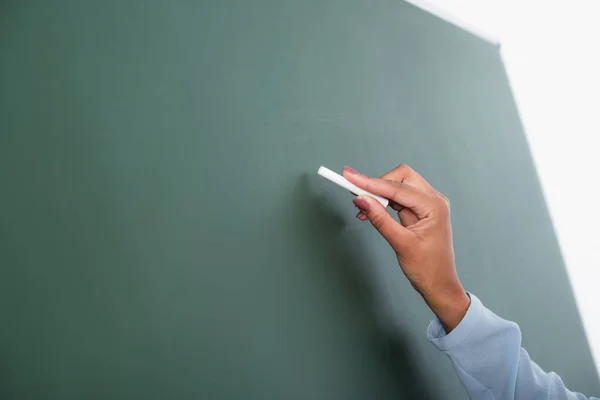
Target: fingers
{"points": [[407, 217], [405, 174], [396, 235], [405, 195]]}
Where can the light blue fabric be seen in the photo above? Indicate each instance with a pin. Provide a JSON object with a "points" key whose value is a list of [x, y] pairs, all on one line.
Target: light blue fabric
{"points": [[486, 353]]}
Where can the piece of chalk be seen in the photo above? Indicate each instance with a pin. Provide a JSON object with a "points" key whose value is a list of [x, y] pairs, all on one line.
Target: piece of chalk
{"points": [[343, 182]]}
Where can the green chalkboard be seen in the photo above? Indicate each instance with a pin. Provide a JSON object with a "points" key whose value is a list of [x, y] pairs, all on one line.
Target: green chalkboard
{"points": [[163, 233]]}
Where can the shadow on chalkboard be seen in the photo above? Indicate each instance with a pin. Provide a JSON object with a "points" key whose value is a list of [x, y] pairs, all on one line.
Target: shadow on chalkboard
{"points": [[321, 218]]}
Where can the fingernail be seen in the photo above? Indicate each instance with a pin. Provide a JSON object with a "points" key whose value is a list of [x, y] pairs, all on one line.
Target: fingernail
{"points": [[350, 170], [361, 216], [362, 204]]}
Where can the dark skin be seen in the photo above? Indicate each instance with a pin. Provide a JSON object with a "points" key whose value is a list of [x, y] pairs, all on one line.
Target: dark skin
{"points": [[422, 240]]}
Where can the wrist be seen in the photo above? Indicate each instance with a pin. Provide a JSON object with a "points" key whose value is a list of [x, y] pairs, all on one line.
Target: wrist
{"points": [[450, 307]]}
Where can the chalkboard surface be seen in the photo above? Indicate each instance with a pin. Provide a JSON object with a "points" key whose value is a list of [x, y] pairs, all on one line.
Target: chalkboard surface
{"points": [[163, 233]]}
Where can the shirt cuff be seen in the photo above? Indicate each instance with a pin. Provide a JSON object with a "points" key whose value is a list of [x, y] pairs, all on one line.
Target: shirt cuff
{"points": [[437, 336]]}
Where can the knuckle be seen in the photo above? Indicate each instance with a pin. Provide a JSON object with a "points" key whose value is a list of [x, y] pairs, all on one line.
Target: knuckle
{"points": [[404, 168], [442, 205], [446, 199], [399, 172], [397, 187]]}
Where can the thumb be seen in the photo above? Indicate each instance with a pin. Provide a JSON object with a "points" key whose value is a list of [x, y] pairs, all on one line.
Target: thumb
{"points": [[390, 229]]}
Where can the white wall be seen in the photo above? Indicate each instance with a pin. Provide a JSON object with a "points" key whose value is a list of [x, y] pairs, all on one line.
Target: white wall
{"points": [[552, 53]]}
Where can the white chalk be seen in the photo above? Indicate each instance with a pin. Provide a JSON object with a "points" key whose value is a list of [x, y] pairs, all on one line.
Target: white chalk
{"points": [[343, 182]]}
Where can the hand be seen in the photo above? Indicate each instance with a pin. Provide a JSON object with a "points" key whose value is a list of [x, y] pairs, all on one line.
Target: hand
{"points": [[422, 240]]}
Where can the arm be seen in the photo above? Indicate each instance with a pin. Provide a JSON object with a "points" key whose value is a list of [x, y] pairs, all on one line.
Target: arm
{"points": [[485, 349], [486, 353]]}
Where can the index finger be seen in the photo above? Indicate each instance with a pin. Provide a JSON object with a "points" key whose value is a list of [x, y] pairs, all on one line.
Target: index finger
{"points": [[420, 202], [405, 174]]}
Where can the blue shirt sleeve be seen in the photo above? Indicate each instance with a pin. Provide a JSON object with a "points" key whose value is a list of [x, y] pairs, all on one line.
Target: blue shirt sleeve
{"points": [[486, 353]]}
